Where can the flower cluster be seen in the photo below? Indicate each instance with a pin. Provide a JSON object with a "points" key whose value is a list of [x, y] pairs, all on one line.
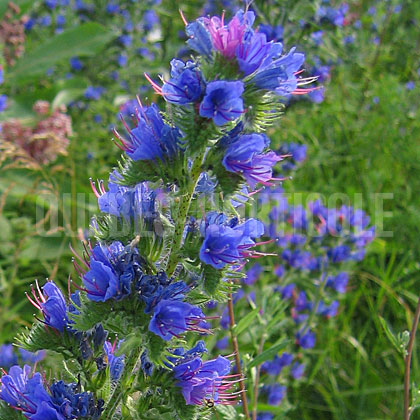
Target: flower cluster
{"points": [[27, 392]]}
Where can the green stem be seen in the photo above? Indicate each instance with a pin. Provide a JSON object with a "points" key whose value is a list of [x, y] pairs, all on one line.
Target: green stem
{"points": [[117, 394], [183, 209]]}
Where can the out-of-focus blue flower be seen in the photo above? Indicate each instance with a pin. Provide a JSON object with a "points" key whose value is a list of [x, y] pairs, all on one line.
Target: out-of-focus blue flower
{"points": [[115, 363], [349, 39], [306, 341], [275, 366], [94, 92], [223, 343], [7, 356], [228, 245], [29, 24], [317, 95], [146, 364], [296, 153], [125, 40], [222, 101], [29, 357], [186, 84], [276, 394], [297, 370], [199, 380], [245, 156], [253, 274], [273, 33], [60, 20], [44, 20], [3, 102], [317, 37], [112, 8], [339, 282], [150, 19], [265, 416], [122, 60], [328, 311], [76, 64], [172, 318], [335, 16], [339, 253], [51, 4], [410, 85]]}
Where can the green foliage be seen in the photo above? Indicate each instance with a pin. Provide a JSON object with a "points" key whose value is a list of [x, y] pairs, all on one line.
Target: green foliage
{"points": [[7, 413], [85, 40]]}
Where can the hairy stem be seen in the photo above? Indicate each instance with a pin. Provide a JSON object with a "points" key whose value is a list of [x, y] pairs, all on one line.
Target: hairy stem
{"points": [[407, 411], [184, 207], [237, 357]]}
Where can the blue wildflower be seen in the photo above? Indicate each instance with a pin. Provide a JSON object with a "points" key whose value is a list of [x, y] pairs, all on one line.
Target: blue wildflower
{"points": [[253, 274], [29, 24], [3, 102], [297, 370], [199, 38], [76, 64], [275, 366], [7, 356], [72, 404], [328, 311], [112, 270], [276, 393], [410, 85], [1, 75], [29, 357], [146, 364], [26, 393], [339, 253], [273, 33], [122, 59], [222, 101], [317, 37], [229, 245], [339, 282], [51, 4], [245, 156], [125, 40], [150, 19], [279, 76], [60, 20], [115, 363], [186, 83], [306, 341], [45, 20], [112, 8], [151, 139], [172, 318], [265, 416], [94, 92], [200, 380]]}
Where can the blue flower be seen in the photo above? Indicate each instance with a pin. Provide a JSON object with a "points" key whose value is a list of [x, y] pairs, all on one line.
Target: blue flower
{"points": [[3, 102], [186, 83], [72, 404], [51, 4], [199, 38], [339, 253], [279, 74], [146, 364], [150, 19], [76, 64], [152, 139], [29, 357], [297, 370], [245, 156], [229, 245], [253, 274], [273, 33], [172, 318], [112, 270], [60, 20], [265, 416], [200, 380], [222, 101], [125, 40], [45, 20], [112, 8], [306, 341], [339, 282], [328, 311], [122, 60], [7, 356], [275, 366], [317, 37], [276, 394], [1, 75], [45, 411], [115, 363], [25, 393], [94, 92]]}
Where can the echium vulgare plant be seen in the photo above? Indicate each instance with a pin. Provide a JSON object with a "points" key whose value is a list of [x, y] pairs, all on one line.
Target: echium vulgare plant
{"points": [[168, 240]]}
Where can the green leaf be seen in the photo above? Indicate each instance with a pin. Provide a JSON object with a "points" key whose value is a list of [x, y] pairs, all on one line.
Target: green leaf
{"points": [[85, 40], [64, 97], [8, 413], [227, 412], [268, 354], [245, 322]]}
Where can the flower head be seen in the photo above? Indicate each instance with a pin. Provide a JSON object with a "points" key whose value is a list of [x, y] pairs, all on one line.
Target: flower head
{"points": [[222, 101], [224, 244], [245, 156], [115, 363], [201, 381], [171, 318]]}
